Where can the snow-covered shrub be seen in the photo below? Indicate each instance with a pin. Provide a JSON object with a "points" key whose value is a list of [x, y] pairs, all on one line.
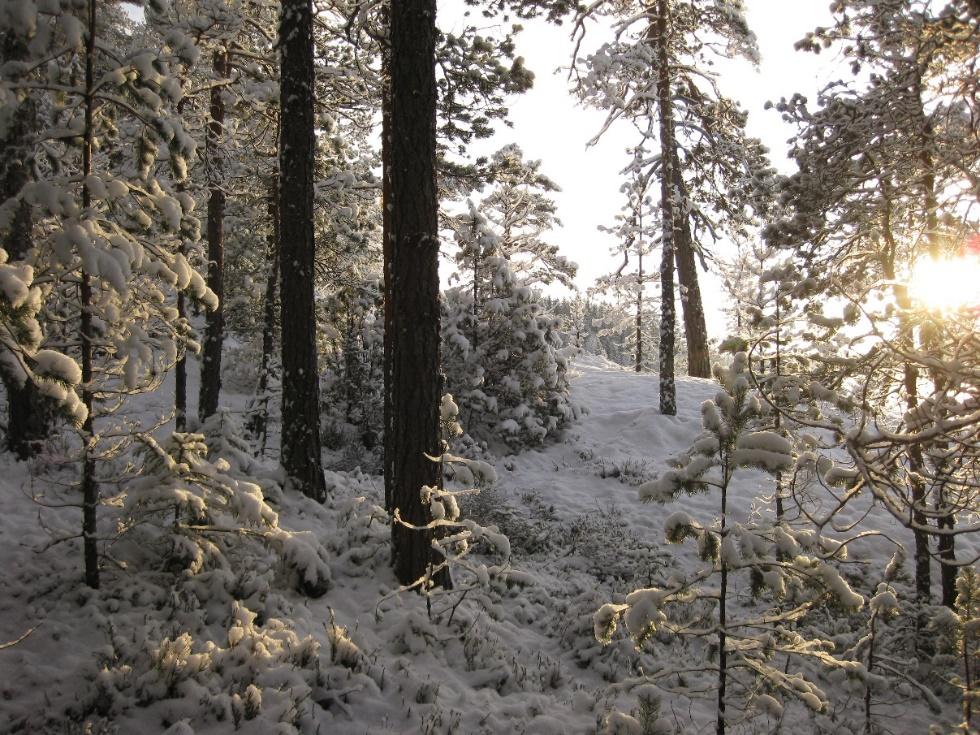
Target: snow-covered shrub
{"points": [[787, 570], [881, 637], [195, 516], [501, 352], [362, 541], [254, 677], [225, 439], [529, 526], [644, 719], [21, 356]]}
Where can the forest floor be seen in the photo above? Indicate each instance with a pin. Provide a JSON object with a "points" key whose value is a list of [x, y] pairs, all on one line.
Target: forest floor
{"points": [[512, 656]]}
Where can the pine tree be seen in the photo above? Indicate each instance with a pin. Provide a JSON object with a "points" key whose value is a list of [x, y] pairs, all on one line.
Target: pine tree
{"points": [[632, 321], [501, 349], [412, 386], [28, 414], [300, 452], [214, 166], [232, 110], [112, 219], [710, 172], [882, 170], [790, 570], [522, 212]]}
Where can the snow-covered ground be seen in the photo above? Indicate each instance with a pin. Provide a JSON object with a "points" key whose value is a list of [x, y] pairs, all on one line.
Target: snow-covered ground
{"points": [[517, 656]]}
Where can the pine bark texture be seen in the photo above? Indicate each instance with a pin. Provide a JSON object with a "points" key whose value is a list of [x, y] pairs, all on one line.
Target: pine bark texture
{"points": [[28, 413], [668, 391], [387, 248], [412, 284], [695, 328], [180, 367], [639, 308], [90, 486], [215, 327], [300, 453], [180, 374]]}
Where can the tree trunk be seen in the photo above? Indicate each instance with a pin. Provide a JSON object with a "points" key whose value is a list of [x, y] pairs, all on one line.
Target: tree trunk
{"points": [[180, 367], [300, 449], [668, 391], [910, 382], [695, 329], [945, 519], [180, 374], [477, 257], [214, 158], [412, 286], [259, 420], [90, 487], [639, 303], [918, 520], [723, 604], [388, 258], [28, 412], [948, 569], [778, 421]]}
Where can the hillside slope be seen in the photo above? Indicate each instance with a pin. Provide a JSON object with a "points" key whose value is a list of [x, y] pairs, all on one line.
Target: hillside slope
{"points": [[151, 652]]}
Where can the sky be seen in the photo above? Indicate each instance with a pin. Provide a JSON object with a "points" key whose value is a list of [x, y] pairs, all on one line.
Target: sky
{"points": [[550, 125]]}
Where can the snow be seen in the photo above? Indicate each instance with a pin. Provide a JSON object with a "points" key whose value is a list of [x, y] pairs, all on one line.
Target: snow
{"points": [[15, 282], [519, 653], [57, 366], [764, 449]]}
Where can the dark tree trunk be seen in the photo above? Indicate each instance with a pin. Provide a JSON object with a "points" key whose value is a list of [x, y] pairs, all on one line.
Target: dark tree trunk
{"points": [[723, 610], [910, 381], [388, 258], [695, 329], [180, 367], [90, 487], [300, 449], [412, 287], [945, 520], [477, 258], [215, 327], [923, 576], [29, 414], [180, 374], [259, 420], [948, 569], [668, 391], [639, 303], [778, 421], [918, 520]]}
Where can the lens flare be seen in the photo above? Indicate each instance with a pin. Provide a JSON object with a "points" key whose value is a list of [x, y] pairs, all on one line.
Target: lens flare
{"points": [[946, 284]]}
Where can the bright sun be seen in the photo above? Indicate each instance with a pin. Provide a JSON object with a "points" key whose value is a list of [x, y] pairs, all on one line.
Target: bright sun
{"points": [[946, 284]]}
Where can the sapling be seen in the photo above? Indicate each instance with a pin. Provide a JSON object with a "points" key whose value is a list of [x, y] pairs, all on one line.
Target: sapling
{"points": [[453, 537], [960, 632], [501, 350], [788, 567]]}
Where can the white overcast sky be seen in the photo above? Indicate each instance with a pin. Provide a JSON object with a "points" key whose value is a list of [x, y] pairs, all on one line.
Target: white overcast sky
{"points": [[549, 124]]}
